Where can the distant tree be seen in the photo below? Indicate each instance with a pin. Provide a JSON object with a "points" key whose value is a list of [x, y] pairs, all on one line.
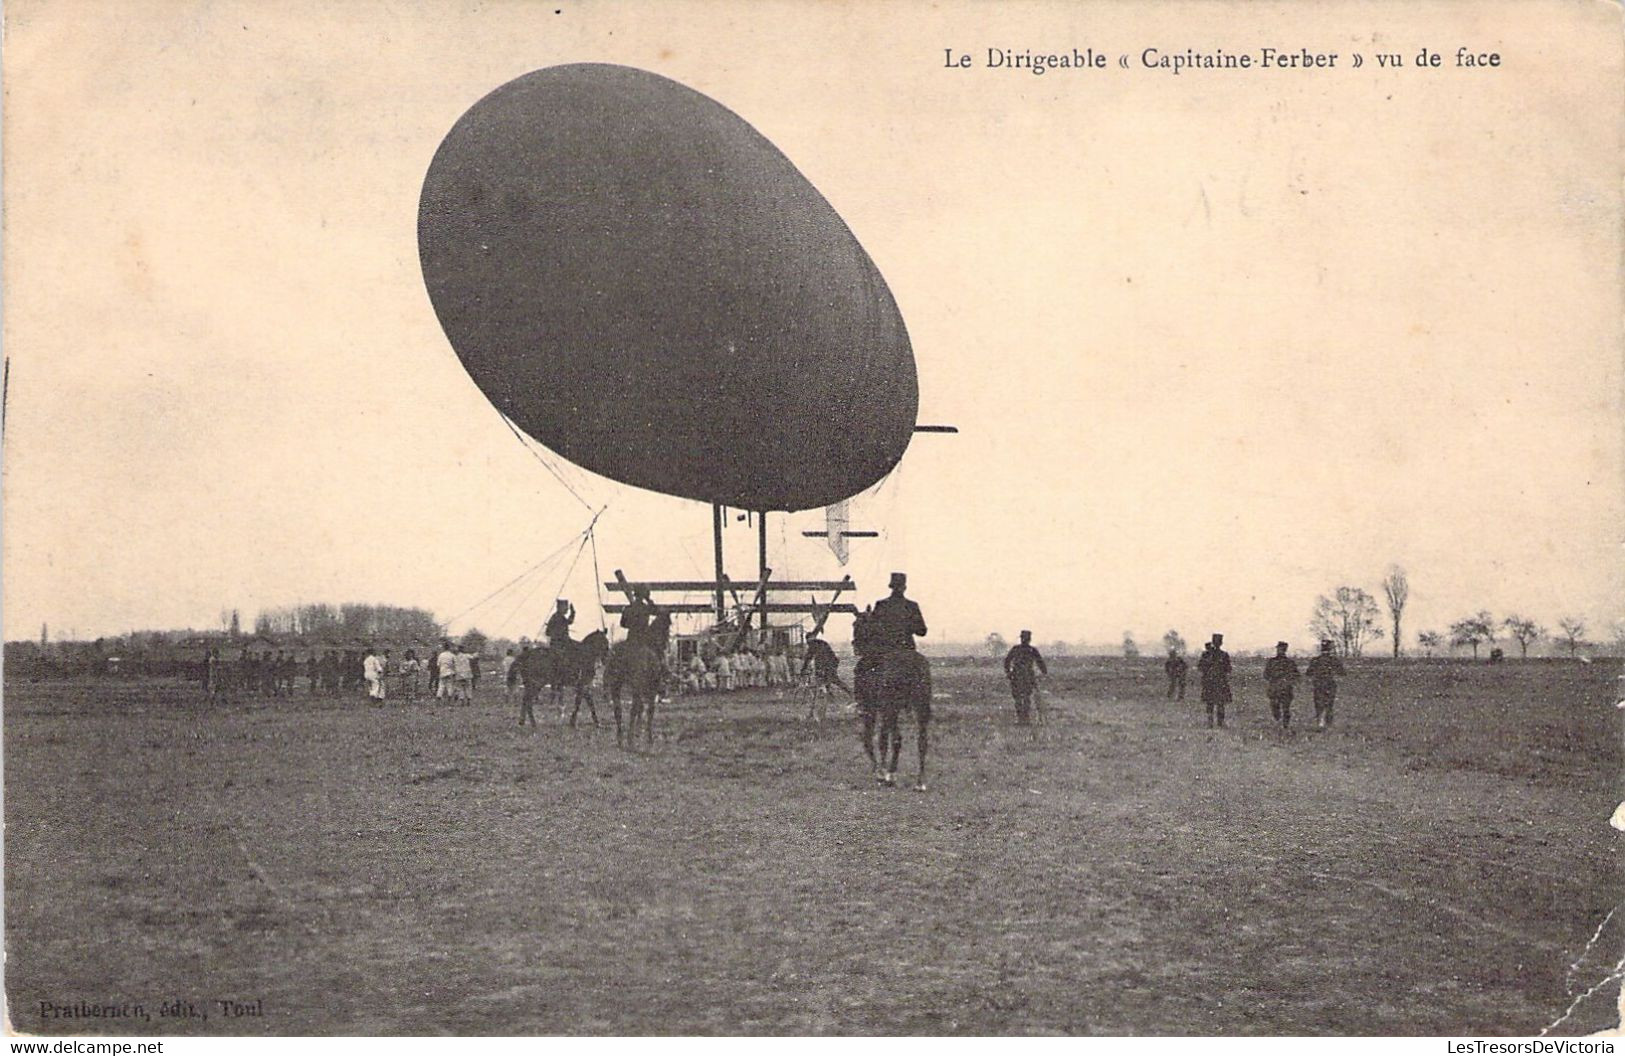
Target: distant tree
{"points": [[1396, 588], [1174, 641], [1524, 630], [997, 645], [1429, 641], [1130, 648], [1473, 630], [236, 627], [1571, 632], [474, 641], [44, 635], [1348, 618], [318, 619], [1059, 648]]}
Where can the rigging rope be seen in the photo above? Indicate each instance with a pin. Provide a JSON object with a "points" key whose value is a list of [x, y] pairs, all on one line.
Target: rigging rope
{"points": [[549, 559], [547, 465]]}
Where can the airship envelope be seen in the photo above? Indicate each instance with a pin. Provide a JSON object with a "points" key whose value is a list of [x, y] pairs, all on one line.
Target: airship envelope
{"points": [[645, 285]]}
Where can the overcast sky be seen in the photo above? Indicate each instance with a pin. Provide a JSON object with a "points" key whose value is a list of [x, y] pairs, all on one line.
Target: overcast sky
{"points": [[1215, 344]]}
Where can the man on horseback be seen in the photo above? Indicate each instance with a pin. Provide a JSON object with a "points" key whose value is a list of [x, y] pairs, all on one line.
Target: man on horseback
{"points": [[890, 675], [559, 662], [558, 624], [637, 614]]}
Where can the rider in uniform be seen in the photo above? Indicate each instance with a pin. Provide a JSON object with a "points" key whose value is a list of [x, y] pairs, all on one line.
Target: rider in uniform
{"points": [[889, 629], [558, 624], [637, 614]]}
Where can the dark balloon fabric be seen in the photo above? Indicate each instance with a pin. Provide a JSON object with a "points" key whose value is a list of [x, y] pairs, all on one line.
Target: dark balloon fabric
{"points": [[643, 283]]}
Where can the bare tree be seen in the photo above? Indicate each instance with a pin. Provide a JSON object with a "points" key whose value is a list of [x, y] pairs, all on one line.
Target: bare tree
{"points": [[1348, 618], [1429, 641], [1473, 630], [1175, 642], [997, 645], [1572, 632], [1524, 630], [1396, 588]]}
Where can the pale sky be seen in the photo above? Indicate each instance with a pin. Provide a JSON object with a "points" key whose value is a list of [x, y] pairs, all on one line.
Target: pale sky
{"points": [[1216, 343]]}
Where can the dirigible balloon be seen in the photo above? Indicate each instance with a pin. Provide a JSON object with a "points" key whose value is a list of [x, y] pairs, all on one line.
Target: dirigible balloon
{"points": [[643, 283]]}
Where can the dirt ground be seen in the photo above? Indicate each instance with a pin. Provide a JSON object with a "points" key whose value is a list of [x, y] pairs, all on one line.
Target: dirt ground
{"points": [[1437, 864]]}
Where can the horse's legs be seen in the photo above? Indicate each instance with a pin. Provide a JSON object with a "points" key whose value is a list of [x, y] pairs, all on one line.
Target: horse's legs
{"points": [[649, 721], [637, 713], [615, 698], [592, 709], [575, 710], [869, 737], [923, 720], [891, 742]]}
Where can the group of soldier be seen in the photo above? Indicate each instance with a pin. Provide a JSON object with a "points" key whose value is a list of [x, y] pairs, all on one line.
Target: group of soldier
{"points": [[1023, 664], [1281, 677], [329, 672], [451, 673]]}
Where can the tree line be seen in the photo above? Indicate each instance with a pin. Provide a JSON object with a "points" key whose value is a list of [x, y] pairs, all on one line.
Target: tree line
{"points": [[1352, 619]]}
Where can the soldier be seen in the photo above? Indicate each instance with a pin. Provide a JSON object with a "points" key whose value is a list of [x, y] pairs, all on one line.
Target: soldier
{"points": [[558, 624], [1324, 671], [1018, 668], [637, 614], [372, 667], [508, 660], [1280, 676], [445, 671], [211, 674], [1214, 667], [1174, 667], [825, 664], [896, 619]]}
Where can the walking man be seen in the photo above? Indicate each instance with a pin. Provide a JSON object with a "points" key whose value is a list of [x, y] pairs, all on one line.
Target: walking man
{"points": [[1280, 677], [1018, 668], [1324, 671], [1214, 667]]}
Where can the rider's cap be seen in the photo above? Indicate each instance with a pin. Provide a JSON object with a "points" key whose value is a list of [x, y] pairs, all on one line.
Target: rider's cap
{"points": [[1281, 645], [899, 579]]}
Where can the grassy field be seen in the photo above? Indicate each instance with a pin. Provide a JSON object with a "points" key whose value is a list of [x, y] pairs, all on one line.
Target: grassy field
{"points": [[1438, 863]]}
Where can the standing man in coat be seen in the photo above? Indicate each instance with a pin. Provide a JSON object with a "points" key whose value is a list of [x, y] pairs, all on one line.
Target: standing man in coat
{"points": [[1324, 671], [1280, 678], [1214, 668]]}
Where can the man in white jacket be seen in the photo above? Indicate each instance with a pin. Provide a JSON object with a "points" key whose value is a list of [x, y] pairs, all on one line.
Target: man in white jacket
{"points": [[372, 668]]}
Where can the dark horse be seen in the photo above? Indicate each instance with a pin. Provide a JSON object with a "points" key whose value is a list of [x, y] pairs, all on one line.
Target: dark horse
{"points": [[884, 684], [566, 663], [638, 665]]}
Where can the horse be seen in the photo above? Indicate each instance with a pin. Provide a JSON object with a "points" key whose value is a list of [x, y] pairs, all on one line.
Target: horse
{"points": [[638, 665], [572, 663], [884, 683]]}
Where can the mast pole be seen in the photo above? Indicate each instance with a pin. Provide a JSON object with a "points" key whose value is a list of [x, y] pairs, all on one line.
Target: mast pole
{"points": [[761, 560], [716, 542]]}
